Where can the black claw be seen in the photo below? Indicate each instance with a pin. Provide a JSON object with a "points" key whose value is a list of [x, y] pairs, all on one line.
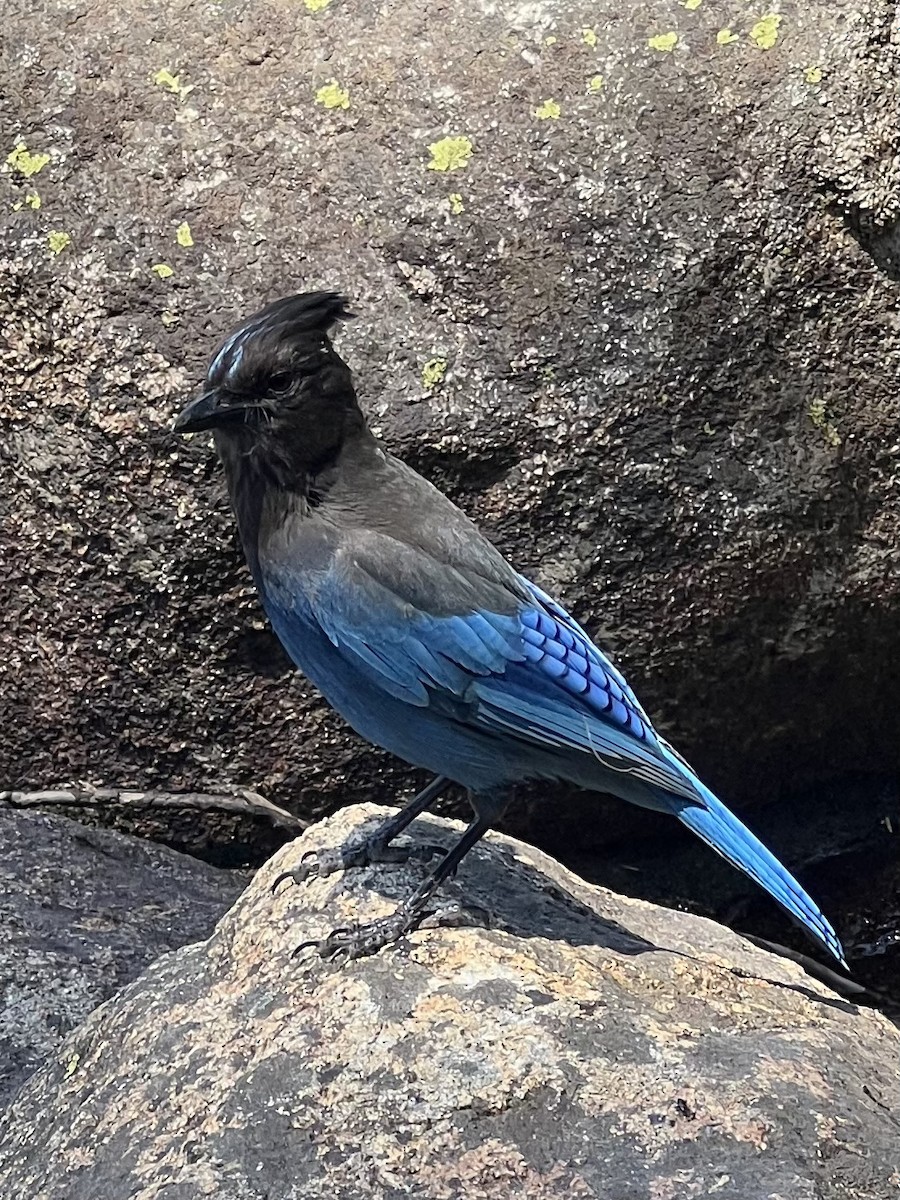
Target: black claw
{"points": [[309, 864], [337, 956], [315, 863], [281, 878], [320, 863], [298, 950], [346, 943]]}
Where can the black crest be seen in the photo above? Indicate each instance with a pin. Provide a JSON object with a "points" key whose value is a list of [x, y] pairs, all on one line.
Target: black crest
{"points": [[291, 326]]}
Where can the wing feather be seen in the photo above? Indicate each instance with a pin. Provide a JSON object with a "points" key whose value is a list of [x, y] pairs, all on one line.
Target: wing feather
{"points": [[531, 671]]}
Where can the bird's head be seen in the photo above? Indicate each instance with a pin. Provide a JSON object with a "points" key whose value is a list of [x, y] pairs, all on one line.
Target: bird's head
{"points": [[276, 382]]}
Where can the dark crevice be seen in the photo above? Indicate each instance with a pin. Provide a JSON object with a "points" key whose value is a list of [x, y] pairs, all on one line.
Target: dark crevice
{"points": [[880, 241], [460, 472]]}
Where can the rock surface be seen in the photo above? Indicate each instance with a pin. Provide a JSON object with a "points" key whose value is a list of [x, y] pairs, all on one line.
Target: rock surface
{"points": [[82, 913], [584, 1046], [646, 332]]}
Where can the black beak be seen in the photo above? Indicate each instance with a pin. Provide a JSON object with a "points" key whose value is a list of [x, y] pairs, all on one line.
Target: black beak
{"points": [[212, 410], [202, 413]]}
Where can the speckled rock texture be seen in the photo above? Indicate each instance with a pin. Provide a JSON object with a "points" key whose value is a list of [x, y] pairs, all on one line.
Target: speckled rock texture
{"points": [[627, 286], [583, 1046], [82, 913]]}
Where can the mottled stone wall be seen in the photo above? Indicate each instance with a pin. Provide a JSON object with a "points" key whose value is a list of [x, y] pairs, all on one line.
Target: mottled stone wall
{"points": [[626, 287]]}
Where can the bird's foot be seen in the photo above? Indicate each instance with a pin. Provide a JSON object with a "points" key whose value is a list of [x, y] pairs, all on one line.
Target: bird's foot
{"points": [[357, 941], [328, 861]]}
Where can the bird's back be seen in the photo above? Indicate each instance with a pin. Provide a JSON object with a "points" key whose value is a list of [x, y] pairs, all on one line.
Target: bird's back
{"points": [[414, 539]]}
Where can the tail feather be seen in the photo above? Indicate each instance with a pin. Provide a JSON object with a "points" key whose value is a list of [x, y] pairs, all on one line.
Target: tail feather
{"points": [[721, 830]]}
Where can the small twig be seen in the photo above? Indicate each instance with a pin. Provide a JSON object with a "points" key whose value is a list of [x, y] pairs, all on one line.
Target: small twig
{"points": [[240, 801]]}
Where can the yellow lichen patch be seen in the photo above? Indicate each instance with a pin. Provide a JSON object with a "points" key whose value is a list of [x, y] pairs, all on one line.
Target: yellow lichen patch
{"points": [[449, 154], [165, 79], [690, 5], [315, 5], [332, 95], [32, 200], [813, 74], [58, 240], [725, 37], [163, 270], [183, 235], [589, 37], [595, 84], [548, 111], [172, 83], [819, 417], [72, 1065], [765, 32], [551, 40], [663, 42], [22, 160], [433, 372], [455, 201]]}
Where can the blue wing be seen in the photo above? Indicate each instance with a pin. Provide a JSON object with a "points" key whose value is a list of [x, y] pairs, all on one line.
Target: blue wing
{"points": [[570, 696], [532, 673]]}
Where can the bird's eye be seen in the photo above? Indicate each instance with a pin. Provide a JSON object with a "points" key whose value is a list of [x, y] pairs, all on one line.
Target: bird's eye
{"points": [[280, 383]]}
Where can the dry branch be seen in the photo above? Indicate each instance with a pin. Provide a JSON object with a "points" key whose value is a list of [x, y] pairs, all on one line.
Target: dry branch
{"points": [[241, 801]]}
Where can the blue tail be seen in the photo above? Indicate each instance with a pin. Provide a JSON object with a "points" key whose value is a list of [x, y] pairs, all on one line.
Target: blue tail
{"points": [[720, 829]]}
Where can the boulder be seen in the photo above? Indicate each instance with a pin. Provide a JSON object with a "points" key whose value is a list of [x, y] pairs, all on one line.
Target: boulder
{"points": [[627, 287], [584, 1045], [82, 912]]}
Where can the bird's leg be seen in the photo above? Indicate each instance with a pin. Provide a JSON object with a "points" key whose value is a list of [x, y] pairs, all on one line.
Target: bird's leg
{"points": [[347, 943], [376, 847]]}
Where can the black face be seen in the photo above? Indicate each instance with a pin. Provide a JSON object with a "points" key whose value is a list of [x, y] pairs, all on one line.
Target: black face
{"points": [[278, 366]]}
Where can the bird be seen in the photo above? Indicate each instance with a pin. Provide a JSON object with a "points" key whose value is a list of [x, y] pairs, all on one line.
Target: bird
{"points": [[417, 630]]}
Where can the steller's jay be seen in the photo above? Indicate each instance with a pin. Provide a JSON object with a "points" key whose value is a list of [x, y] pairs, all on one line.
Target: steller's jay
{"points": [[414, 626]]}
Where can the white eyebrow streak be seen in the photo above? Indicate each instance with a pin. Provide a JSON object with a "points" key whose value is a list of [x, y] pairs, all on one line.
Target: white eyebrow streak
{"points": [[236, 341], [223, 352], [235, 363]]}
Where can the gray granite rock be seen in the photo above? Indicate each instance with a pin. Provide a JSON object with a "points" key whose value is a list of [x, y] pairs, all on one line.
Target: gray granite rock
{"points": [[82, 912], [584, 1046]]}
